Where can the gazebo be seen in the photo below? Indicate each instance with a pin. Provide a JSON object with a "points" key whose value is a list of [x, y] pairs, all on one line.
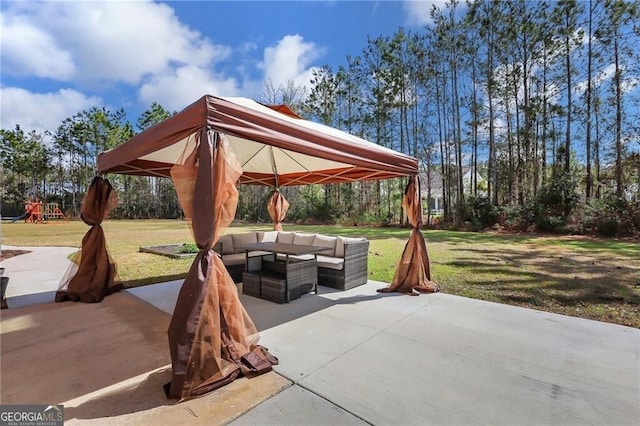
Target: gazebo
{"points": [[207, 149]]}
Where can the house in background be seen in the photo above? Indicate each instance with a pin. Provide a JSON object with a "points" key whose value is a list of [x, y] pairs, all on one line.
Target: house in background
{"points": [[435, 201], [432, 202]]}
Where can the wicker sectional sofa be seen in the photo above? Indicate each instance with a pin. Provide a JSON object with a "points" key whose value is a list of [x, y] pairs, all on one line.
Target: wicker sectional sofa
{"points": [[343, 265]]}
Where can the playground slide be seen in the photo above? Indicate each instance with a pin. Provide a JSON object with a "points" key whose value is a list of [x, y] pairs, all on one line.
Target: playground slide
{"points": [[17, 218], [40, 213]]}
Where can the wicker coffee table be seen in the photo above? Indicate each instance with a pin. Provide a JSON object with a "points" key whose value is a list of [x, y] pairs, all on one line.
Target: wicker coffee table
{"points": [[282, 280]]}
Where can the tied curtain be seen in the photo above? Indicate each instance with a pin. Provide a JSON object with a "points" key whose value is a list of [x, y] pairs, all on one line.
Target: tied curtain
{"points": [[92, 273], [277, 208], [212, 340], [413, 275]]}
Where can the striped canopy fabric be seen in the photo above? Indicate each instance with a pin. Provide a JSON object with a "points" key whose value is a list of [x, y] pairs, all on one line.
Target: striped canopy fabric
{"points": [[274, 146]]}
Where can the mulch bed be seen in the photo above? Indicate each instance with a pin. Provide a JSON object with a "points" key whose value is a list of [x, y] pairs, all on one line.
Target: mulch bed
{"points": [[172, 250], [8, 254]]}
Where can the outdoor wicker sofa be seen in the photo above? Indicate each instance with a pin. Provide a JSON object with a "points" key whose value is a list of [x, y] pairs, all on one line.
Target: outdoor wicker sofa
{"points": [[343, 265]]}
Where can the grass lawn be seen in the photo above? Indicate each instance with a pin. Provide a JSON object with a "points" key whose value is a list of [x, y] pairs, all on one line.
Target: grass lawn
{"points": [[573, 275]]}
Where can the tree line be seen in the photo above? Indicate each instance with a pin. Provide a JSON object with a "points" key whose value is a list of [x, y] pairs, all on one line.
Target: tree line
{"points": [[522, 113]]}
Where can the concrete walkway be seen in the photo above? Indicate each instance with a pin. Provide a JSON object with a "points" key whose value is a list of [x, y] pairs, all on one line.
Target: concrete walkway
{"points": [[359, 357], [34, 277]]}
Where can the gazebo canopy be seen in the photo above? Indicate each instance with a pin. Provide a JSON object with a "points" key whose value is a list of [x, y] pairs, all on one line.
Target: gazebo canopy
{"points": [[206, 149], [273, 145]]}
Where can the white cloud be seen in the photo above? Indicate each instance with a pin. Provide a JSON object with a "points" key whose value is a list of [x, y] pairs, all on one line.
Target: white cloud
{"points": [[41, 111], [248, 47], [178, 88], [103, 44], [553, 94], [599, 78], [26, 49], [630, 85], [419, 11], [606, 75], [289, 60], [97, 41]]}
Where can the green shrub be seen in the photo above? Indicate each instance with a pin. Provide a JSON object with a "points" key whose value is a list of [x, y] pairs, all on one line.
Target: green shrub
{"points": [[611, 217], [480, 212], [188, 248], [551, 224], [513, 218]]}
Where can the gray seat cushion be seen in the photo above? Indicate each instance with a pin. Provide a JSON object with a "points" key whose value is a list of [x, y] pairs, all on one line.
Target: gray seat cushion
{"points": [[233, 259], [248, 238], [345, 240], [226, 242], [267, 236], [285, 237], [294, 257], [326, 241], [303, 239], [336, 263]]}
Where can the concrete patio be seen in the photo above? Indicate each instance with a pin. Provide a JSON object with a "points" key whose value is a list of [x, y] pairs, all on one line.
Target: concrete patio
{"points": [[348, 357]]}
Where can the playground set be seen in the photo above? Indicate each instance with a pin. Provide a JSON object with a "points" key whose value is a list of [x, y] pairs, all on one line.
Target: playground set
{"points": [[37, 212]]}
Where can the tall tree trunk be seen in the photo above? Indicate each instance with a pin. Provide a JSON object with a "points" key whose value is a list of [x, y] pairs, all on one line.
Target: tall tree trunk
{"points": [[519, 160], [596, 144], [493, 172], [618, 87], [589, 182], [441, 137], [458, 139], [545, 119], [510, 174], [567, 41], [476, 121]]}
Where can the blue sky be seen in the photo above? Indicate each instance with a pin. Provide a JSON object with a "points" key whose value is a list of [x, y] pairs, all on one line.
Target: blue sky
{"points": [[59, 58]]}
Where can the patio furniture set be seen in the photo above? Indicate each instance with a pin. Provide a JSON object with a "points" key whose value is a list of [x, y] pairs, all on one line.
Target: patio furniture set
{"points": [[282, 266]]}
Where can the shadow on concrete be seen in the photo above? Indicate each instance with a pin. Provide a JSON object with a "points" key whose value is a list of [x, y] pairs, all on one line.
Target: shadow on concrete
{"points": [[31, 299], [56, 352], [266, 315], [142, 396]]}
